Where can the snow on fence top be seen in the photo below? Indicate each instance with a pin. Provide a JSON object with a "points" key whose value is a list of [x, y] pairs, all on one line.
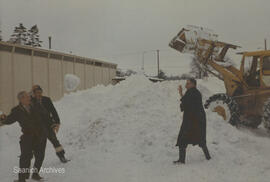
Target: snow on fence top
{"points": [[27, 50]]}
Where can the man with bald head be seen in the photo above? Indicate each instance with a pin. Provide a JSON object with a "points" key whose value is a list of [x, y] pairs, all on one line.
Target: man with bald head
{"points": [[34, 135]]}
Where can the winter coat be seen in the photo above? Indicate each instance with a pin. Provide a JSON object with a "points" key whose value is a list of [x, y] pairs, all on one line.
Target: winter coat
{"points": [[46, 102], [193, 128], [31, 122]]}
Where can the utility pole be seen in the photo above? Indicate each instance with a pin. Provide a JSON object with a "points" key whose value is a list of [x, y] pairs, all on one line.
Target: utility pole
{"points": [[143, 61], [265, 44], [50, 42], [158, 63]]}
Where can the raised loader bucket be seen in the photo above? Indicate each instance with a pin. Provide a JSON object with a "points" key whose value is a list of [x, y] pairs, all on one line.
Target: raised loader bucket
{"points": [[179, 41], [186, 40]]}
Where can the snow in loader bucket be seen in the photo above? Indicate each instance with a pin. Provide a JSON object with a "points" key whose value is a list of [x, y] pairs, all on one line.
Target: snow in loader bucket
{"points": [[186, 40]]}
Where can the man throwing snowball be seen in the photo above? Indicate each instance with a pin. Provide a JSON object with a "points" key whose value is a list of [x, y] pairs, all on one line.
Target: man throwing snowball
{"points": [[193, 128], [34, 135]]}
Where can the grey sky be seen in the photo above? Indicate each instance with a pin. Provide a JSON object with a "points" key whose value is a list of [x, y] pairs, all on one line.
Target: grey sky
{"points": [[103, 28]]}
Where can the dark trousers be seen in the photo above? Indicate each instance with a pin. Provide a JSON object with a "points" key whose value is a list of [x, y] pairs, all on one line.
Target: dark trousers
{"points": [[31, 144], [53, 138], [182, 152]]}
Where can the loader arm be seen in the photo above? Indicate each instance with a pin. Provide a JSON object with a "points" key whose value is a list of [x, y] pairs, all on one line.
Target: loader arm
{"points": [[209, 52], [232, 76], [231, 80]]}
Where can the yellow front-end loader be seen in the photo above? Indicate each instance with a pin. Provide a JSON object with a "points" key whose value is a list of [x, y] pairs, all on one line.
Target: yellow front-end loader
{"points": [[246, 100]]}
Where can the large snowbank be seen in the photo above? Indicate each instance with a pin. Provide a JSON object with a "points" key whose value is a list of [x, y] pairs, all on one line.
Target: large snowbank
{"points": [[127, 132]]}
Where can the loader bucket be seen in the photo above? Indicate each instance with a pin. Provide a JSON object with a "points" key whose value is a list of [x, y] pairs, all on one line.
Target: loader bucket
{"points": [[186, 40], [179, 41]]}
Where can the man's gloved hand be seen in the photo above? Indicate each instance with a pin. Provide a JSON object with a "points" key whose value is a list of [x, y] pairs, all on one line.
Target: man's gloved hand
{"points": [[2, 117], [56, 128], [180, 90]]}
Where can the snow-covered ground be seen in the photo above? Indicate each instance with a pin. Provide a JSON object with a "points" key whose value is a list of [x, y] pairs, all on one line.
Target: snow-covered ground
{"points": [[127, 133]]}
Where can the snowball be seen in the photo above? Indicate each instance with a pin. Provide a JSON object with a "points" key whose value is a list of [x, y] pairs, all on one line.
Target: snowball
{"points": [[71, 82]]}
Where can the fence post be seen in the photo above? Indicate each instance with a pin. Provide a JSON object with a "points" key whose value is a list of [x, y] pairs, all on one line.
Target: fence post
{"points": [[13, 75], [84, 74], [32, 68], [74, 59], [94, 73], [62, 76], [48, 72]]}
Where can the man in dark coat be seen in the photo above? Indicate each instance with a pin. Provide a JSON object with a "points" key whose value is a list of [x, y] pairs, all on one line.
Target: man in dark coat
{"points": [[34, 137], [193, 128], [47, 104]]}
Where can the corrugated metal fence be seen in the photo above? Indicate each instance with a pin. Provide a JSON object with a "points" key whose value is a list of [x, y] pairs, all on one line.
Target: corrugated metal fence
{"points": [[23, 66]]}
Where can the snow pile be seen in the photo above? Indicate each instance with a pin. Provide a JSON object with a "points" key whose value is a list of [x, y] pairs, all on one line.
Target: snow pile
{"points": [[127, 132], [71, 82], [194, 33], [227, 62]]}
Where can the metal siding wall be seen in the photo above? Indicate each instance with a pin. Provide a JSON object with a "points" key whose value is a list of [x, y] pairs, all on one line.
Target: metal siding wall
{"points": [[95, 70], [67, 69], [111, 74], [89, 76], [103, 78], [114, 73], [55, 79], [40, 73], [79, 71], [106, 76], [49, 73], [22, 74], [98, 75], [6, 87]]}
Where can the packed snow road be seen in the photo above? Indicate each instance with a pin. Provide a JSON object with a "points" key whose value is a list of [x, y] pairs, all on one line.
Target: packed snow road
{"points": [[127, 133]]}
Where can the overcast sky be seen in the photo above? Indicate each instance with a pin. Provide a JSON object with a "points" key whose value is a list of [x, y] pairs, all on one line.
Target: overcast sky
{"points": [[119, 30]]}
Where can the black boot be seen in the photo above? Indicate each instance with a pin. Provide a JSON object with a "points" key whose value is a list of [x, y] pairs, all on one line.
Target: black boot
{"points": [[61, 156], [182, 156], [206, 152], [36, 177], [21, 180], [27, 175], [22, 177]]}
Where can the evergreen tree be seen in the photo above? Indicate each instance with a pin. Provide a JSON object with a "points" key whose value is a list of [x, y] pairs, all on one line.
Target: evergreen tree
{"points": [[130, 72], [162, 74], [33, 37], [120, 73], [19, 35]]}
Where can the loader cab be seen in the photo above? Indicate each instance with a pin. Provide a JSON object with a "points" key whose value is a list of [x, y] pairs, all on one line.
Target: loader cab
{"points": [[251, 71], [255, 69], [265, 73]]}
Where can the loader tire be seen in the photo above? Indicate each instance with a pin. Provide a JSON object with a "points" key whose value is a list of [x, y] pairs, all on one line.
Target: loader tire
{"points": [[225, 106], [266, 115]]}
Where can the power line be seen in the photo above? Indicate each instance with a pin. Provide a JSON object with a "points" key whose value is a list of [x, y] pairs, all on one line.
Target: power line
{"points": [[177, 67], [133, 53]]}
